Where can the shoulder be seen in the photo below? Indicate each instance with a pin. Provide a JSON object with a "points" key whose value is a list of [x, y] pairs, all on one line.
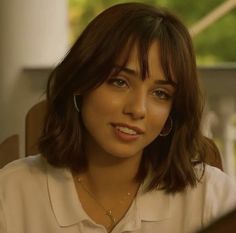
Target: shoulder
{"points": [[218, 190], [22, 170], [215, 179]]}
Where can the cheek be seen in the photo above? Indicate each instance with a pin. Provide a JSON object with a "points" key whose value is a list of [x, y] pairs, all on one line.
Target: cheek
{"points": [[99, 104], [157, 118]]}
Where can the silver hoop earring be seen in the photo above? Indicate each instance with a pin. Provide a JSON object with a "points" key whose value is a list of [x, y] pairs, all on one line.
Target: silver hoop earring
{"points": [[75, 103], [166, 131]]}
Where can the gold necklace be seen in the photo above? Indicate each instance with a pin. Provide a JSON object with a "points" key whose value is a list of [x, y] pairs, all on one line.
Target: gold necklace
{"points": [[108, 212]]}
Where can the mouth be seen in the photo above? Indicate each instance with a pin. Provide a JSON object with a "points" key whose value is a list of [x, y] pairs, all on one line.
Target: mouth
{"points": [[126, 132], [127, 129]]}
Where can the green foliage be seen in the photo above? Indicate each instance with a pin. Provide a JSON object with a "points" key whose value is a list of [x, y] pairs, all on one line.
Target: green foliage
{"points": [[216, 44], [218, 40]]}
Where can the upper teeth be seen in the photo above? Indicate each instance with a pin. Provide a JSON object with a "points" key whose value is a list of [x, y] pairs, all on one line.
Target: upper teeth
{"points": [[126, 130]]}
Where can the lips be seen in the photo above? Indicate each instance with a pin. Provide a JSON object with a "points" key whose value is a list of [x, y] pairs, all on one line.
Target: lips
{"points": [[128, 129]]}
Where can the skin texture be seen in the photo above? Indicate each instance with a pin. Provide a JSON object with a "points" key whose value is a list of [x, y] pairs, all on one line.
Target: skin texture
{"points": [[126, 98]]}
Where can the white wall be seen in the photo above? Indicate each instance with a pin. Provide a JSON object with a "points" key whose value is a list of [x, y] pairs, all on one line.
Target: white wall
{"points": [[34, 34]]}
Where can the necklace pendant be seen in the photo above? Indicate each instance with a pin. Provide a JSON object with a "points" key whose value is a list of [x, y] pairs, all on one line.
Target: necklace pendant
{"points": [[111, 217]]}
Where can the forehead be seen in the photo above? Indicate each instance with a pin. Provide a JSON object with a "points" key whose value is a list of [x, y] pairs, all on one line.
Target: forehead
{"points": [[146, 56], [134, 54], [146, 63]]}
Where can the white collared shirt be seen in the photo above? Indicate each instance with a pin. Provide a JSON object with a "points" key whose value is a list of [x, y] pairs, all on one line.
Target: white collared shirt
{"points": [[36, 197]]}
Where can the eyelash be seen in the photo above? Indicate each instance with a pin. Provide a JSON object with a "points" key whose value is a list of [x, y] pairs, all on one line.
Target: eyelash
{"points": [[117, 82], [121, 83], [161, 94]]}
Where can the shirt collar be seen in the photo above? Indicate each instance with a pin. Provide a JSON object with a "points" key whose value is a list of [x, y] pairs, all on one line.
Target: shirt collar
{"points": [[148, 206], [63, 196], [153, 205]]}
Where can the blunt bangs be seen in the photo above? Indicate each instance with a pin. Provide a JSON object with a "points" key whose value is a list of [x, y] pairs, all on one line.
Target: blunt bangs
{"points": [[114, 38]]}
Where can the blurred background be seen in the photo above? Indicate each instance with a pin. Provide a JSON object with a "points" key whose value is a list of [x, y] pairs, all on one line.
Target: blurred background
{"points": [[36, 34]]}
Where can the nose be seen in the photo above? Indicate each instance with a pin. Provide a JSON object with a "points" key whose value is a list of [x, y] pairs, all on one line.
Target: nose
{"points": [[135, 106]]}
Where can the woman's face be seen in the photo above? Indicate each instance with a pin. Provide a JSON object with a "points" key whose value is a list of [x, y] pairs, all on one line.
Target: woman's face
{"points": [[125, 114]]}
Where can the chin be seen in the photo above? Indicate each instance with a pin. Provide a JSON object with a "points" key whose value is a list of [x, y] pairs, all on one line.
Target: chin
{"points": [[122, 154]]}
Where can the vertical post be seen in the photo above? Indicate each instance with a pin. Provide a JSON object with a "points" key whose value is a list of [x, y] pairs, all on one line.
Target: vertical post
{"points": [[34, 33]]}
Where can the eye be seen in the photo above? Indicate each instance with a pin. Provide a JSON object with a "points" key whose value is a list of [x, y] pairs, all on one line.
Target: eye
{"points": [[118, 82], [161, 94]]}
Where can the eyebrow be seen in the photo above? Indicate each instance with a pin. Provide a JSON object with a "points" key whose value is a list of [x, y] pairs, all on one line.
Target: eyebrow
{"points": [[134, 73], [126, 70]]}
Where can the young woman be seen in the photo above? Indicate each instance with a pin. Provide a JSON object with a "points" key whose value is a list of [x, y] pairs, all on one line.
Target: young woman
{"points": [[121, 149]]}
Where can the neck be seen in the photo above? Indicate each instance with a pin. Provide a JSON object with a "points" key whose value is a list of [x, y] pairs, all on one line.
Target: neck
{"points": [[115, 171], [109, 175]]}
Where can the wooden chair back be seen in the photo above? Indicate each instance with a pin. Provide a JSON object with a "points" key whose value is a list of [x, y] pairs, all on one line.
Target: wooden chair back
{"points": [[9, 150], [33, 127], [213, 156]]}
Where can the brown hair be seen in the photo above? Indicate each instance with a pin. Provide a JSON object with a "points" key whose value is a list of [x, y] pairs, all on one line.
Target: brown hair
{"points": [[89, 63]]}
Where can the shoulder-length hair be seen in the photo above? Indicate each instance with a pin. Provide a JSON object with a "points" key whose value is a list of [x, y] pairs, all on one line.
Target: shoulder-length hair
{"points": [[89, 63]]}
